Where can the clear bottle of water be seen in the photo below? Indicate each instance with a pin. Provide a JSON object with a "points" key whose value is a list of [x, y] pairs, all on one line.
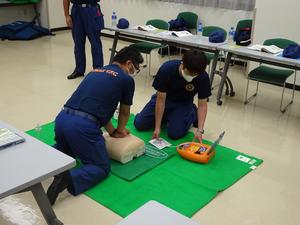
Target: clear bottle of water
{"points": [[116, 114], [231, 35], [199, 28], [114, 19], [38, 130]]}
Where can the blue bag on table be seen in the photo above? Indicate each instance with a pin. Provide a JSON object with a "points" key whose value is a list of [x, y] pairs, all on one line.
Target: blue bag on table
{"points": [[292, 51], [243, 36], [123, 23], [217, 36]]}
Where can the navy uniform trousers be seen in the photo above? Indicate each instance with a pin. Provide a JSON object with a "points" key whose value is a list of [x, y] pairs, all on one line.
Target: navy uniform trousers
{"points": [[82, 138], [179, 116], [87, 22]]}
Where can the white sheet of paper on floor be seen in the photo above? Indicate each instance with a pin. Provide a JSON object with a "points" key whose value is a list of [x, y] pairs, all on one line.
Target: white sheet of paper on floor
{"points": [[160, 143], [243, 158], [252, 161], [253, 167]]}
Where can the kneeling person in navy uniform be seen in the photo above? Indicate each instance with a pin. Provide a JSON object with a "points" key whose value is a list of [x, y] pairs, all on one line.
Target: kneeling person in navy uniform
{"points": [[176, 83], [92, 105]]}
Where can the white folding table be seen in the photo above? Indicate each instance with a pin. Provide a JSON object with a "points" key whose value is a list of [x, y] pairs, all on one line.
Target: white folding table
{"points": [[255, 56], [24, 166], [154, 213], [194, 41]]}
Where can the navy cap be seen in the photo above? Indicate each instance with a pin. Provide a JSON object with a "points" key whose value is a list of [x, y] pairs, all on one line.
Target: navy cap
{"points": [[292, 51], [123, 23], [217, 36]]}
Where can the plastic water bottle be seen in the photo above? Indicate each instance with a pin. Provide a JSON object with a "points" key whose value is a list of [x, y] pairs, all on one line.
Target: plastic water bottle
{"points": [[38, 130], [199, 28], [231, 35], [116, 114], [114, 19]]}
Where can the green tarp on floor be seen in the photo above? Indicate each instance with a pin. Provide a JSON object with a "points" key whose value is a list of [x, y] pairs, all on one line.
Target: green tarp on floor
{"points": [[179, 184]]}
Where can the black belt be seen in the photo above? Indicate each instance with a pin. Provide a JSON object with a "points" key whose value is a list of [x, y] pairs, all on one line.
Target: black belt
{"points": [[86, 5], [81, 114]]}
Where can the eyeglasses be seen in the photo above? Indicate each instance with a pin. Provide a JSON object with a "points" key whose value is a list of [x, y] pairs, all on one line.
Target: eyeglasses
{"points": [[137, 68]]}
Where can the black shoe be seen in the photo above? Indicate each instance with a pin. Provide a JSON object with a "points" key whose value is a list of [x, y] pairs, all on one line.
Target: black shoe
{"points": [[75, 75], [60, 183], [195, 123]]}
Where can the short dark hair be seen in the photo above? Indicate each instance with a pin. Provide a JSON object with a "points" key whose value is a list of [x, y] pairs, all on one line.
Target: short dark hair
{"points": [[195, 61], [129, 53]]}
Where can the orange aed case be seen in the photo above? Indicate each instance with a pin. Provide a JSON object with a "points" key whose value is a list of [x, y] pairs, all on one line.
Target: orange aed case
{"points": [[198, 152]]}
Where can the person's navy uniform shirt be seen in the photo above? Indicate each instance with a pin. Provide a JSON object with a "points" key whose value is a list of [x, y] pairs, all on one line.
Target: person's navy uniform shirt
{"points": [[169, 80], [84, 1], [101, 91]]}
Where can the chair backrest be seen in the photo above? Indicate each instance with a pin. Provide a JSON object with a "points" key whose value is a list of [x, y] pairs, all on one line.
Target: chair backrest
{"points": [[209, 29], [160, 24], [279, 42], [243, 24], [190, 18]]}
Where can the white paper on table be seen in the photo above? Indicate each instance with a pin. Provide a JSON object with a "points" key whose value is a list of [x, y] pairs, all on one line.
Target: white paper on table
{"points": [[273, 49], [145, 28], [164, 33], [183, 33]]}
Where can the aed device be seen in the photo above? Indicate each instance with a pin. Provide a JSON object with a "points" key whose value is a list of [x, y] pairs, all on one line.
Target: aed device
{"points": [[199, 152]]}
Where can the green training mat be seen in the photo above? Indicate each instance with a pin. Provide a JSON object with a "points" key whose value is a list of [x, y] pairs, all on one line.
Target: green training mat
{"points": [[136, 167], [179, 184]]}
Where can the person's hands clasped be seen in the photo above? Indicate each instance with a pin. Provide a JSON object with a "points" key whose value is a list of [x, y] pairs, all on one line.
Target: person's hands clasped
{"points": [[120, 133], [69, 21]]}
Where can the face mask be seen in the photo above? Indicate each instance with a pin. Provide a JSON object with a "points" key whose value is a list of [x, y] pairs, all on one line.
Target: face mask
{"points": [[187, 77]]}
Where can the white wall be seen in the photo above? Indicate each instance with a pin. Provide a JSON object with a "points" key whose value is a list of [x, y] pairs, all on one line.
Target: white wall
{"points": [[10, 14], [43, 10], [277, 19], [136, 11], [139, 11], [13, 13], [56, 14]]}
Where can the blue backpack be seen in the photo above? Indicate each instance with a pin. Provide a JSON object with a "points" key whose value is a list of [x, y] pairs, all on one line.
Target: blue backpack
{"points": [[243, 36], [217, 36], [178, 24], [21, 30], [292, 51]]}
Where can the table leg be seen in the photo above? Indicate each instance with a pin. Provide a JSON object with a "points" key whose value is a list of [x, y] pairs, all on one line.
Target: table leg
{"points": [[37, 15], [223, 78], [114, 46], [44, 204], [213, 67]]}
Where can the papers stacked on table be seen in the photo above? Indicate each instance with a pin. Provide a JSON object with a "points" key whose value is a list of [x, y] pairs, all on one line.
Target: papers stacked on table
{"points": [[183, 33], [273, 49], [8, 138]]}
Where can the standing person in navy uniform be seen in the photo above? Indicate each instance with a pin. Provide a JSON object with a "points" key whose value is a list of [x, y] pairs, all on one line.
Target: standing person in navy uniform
{"points": [[86, 20], [176, 83], [92, 105]]}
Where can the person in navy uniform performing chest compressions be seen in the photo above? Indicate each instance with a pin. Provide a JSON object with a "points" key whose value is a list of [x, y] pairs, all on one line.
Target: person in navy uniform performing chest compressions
{"points": [[91, 107], [86, 20], [176, 84]]}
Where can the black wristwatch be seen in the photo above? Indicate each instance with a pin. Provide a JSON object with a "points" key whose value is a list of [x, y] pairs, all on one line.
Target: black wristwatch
{"points": [[200, 131]]}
